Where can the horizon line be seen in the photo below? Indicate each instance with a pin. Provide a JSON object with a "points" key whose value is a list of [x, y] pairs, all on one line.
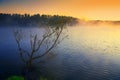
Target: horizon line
{"points": [[83, 19]]}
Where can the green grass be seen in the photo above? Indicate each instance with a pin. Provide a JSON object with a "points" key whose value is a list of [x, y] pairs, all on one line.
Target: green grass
{"points": [[15, 78], [21, 78]]}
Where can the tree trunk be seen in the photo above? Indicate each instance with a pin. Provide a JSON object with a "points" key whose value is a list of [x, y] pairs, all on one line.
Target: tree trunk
{"points": [[30, 73]]}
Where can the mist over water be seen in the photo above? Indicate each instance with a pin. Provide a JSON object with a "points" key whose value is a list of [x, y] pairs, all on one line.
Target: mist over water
{"points": [[91, 52]]}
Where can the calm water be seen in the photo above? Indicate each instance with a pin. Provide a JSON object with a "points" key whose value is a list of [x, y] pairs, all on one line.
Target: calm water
{"points": [[89, 53]]}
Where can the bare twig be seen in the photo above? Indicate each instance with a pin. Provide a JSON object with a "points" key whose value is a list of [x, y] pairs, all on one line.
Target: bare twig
{"points": [[51, 38], [52, 46]]}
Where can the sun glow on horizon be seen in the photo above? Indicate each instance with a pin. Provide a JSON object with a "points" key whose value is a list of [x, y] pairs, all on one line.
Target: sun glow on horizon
{"points": [[83, 9]]}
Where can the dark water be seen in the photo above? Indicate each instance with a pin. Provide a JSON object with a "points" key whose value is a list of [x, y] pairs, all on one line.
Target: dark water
{"points": [[90, 53]]}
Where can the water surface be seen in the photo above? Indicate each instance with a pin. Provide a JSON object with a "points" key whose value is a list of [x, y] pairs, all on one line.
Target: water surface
{"points": [[89, 53]]}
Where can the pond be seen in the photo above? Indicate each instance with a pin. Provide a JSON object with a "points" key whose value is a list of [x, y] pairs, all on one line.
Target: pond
{"points": [[90, 52]]}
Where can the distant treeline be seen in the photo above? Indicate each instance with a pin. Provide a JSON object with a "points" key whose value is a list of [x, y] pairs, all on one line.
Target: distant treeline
{"points": [[35, 20]]}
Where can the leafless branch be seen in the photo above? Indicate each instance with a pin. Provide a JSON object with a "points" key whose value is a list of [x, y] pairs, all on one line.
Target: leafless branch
{"points": [[51, 38], [18, 38], [52, 46]]}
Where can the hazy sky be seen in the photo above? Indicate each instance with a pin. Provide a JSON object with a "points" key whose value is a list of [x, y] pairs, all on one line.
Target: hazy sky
{"points": [[88, 9]]}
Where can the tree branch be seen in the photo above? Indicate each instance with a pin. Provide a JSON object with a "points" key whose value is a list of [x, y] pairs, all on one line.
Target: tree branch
{"points": [[53, 45]]}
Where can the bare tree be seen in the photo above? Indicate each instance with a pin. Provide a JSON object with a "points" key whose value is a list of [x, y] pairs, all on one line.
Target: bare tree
{"points": [[50, 38]]}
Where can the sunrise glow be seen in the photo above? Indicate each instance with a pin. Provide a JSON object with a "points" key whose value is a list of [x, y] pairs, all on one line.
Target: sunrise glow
{"points": [[90, 9]]}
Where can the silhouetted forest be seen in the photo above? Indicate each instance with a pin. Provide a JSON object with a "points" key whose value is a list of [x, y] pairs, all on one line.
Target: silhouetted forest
{"points": [[35, 20]]}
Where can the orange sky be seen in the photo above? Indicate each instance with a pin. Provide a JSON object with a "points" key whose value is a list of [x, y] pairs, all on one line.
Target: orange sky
{"points": [[88, 9]]}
